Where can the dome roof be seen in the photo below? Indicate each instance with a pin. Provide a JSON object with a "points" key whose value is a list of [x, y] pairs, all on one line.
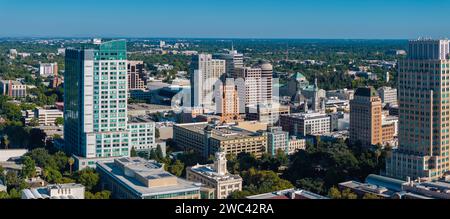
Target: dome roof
{"points": [[266, 66]]}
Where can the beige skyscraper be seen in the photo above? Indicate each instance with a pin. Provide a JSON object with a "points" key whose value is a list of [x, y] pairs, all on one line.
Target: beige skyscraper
{"points": [[424, 112], [228, 103], [365, 117], [258, 83]]}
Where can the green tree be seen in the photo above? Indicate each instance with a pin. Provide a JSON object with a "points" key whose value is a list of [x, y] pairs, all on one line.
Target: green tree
{"points": [[59, 121], [60, 160], [105, 194], [348, 194], [239, 194], [43, 158], [282, 157], [152, 154], [4, 195], [34, 122], [334, 193], [88, 177], [2, 173], [29, 167], [371, 196], [176, 168], [262, 181], [14, 194], [157, 134], [12, 179], [159, 153], [52, 175], [133, 152]]}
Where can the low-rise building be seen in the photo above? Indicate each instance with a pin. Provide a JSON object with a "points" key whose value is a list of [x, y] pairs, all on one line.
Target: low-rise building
{"points": [[296, 144], [142, 133], [207, 139], [360, 189], [386, 187], [137, 178], [43, 116], [277, 139], [55, 191], [13, 88], [302, 124], [215, 176], [47, 117], [266, 113]]}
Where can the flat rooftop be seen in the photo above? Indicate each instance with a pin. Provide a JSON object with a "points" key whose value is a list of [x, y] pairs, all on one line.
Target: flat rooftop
{"points": [[369, 188], [288, 194], [309, 115], [149, 107], [144, 168], [220, 132], [139, 119]]}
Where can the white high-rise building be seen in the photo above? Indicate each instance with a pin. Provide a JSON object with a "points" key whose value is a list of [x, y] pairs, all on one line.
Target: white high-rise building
{"points": [[205, 72]]}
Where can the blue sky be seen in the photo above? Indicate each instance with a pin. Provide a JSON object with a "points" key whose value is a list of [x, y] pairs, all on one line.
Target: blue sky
{"points": [[361, 19]]}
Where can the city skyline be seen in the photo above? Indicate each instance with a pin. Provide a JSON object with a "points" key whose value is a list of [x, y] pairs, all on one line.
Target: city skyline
{"points": [[231, 19]]}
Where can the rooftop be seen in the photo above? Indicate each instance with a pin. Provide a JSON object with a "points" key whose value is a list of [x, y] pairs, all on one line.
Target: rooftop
{"points": [[309, 115], [288, 194], [220, 132], [368, 188], [149, 107], [45, 192], [366, 92], [208, 171], [144, 177], [139, 119]]}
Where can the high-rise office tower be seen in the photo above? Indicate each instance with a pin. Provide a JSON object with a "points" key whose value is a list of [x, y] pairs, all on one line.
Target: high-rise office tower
{"points": [[136, 75], [365, 117], [424, 112], [233, 60], [95, 103], [205, 71], [258, 83]]}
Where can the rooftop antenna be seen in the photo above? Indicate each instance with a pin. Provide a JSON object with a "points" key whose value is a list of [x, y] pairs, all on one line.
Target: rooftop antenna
{"points": [[232, 45]]}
